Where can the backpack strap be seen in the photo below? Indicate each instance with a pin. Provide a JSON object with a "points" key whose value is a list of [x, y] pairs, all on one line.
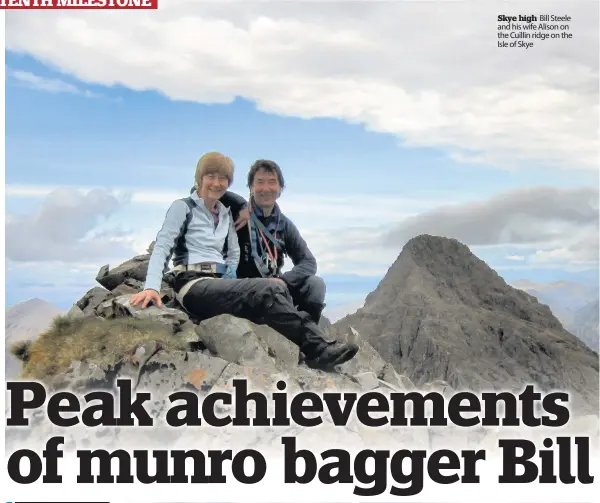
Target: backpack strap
{"points": [[226, 244], [190, 202], [180, 240], [191, 205], [267, 234]]}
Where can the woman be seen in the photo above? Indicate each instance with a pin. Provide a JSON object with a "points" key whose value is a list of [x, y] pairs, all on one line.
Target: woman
{"points": [[199, 232]]}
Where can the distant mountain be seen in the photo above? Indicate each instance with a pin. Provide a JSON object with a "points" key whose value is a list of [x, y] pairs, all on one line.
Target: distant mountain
{"points": [[574, 304], [585, 324], [25, 321], [442, 313], [564, 298], [337, 312]]}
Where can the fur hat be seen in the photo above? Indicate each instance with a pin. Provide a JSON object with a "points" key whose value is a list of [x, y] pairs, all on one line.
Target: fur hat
{"points": [[213, 162]]}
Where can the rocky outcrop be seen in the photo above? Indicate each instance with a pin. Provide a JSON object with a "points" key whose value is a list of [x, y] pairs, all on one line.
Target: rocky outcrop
{"points": [[442, 313], [239, 343], [208, 355]]}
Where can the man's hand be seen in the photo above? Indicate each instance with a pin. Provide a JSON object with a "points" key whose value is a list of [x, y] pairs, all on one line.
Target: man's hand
{"points": [[145, 297], [280, 281], [242, 219]]}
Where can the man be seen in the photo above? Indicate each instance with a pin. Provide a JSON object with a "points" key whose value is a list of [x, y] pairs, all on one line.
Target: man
{"points": [[195, 231], [270, 235]]}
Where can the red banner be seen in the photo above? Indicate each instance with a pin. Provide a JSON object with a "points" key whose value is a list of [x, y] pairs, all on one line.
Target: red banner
{"points": [[78, 4]]}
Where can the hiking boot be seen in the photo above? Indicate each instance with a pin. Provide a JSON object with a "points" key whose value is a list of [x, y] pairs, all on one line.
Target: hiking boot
{"points": [[332, 355]]}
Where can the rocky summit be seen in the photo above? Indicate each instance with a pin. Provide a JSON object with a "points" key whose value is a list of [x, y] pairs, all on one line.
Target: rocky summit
{"points": [[442, 313], [224, 342], [103, 338], [441, 319]]}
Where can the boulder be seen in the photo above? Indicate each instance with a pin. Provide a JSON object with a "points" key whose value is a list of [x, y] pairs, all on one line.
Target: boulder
{"points": [[93, 298], [242, 342], [136, 269], [75, 312], [121, 306]]}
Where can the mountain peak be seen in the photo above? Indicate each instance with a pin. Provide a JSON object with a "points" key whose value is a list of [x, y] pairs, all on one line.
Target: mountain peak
{"points": [[29, 306], [433, 269], [445, 258], [440, 312], [425, 244]]}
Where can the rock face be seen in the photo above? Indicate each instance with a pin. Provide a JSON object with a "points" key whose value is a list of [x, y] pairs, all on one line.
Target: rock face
{"points": [[442, 313]]}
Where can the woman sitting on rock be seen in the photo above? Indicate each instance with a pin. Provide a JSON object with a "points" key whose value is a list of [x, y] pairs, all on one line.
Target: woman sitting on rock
{"points": [[199, 233]]}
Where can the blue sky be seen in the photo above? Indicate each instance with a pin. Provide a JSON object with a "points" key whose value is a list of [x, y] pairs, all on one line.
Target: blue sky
{"points": [[364, 172]]}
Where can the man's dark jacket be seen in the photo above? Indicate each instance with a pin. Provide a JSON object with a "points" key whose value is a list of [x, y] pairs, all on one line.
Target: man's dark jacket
{"points": [[288, 236]]}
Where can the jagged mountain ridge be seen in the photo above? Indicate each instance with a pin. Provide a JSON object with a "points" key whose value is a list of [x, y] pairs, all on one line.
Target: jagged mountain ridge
{"points": [[442, 313]]}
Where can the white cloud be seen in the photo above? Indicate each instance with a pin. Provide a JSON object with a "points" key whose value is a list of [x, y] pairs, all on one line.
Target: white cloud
{"points": [[428, 72], [333, 227], [523, 216], [582, 250], [515, 258], [314, 211], [562, 224], [67, 227], [54, 86], [134, 196]]}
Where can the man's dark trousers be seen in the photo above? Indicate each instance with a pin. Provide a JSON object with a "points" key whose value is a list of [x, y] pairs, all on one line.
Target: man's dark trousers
{"points": [[260, 300], [310, 297]]}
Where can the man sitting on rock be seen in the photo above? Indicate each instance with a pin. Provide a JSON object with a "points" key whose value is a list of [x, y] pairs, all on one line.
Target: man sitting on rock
{"points": [[270, 235], [199, 233]]}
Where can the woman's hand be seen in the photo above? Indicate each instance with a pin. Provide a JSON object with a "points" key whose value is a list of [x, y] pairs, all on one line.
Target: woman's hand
{"points": [[145, 297]]}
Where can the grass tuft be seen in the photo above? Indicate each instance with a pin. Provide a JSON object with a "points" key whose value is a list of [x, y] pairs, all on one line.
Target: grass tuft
{"points": [[20, 349], [92, 340]]}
